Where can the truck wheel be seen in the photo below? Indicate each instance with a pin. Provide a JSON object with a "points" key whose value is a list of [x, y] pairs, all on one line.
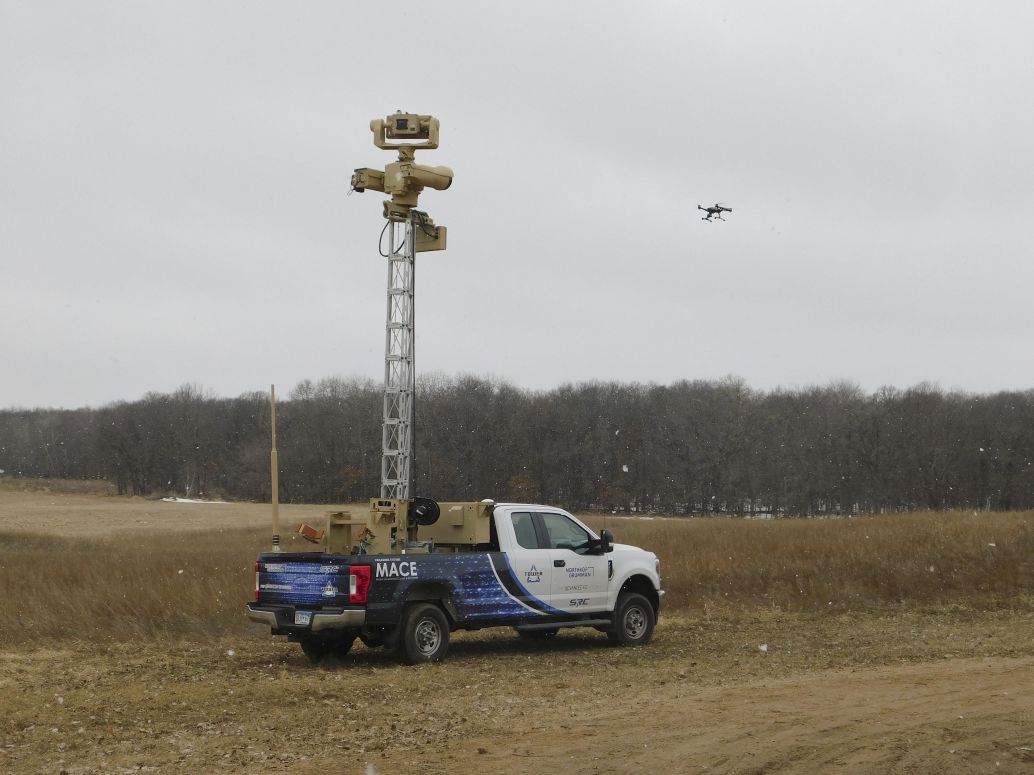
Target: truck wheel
{"points": [[539, 634], [633, 620], [319, 649], [424, 636]]}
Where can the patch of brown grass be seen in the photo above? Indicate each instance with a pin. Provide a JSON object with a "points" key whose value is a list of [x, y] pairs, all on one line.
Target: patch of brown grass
{"points": [[194, 585], [978, 559], [168, 585]]}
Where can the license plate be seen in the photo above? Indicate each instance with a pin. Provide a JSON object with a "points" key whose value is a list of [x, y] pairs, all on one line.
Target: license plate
{"points": [[303, 617]]}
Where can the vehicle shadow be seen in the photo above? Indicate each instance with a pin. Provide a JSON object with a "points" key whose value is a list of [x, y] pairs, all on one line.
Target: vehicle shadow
{"points": [[466, 646]]}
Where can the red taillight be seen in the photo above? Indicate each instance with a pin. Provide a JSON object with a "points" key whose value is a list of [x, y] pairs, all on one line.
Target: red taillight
{"points": [[358, 583], [258, 569]]}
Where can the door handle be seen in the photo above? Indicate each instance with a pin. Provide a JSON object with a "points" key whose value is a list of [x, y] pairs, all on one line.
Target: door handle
{"points": [[559, 563]]}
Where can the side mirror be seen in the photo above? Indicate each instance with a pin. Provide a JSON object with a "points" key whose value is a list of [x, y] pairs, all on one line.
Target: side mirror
{"points": [[606, 541]]}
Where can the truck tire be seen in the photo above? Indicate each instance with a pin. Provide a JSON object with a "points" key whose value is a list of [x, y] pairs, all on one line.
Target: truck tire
{"points": [[633, 620], [424, 636], [321, 648]]}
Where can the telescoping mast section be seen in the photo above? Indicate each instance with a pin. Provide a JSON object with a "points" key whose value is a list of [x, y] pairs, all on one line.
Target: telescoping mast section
{"points": [[409, 231]]}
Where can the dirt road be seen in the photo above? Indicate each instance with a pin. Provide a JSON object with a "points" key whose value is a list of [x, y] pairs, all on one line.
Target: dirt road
{"points": [[962, 715], [939, 691]]}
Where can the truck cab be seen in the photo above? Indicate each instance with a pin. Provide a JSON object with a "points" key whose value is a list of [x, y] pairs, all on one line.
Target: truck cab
{"points": [[560, 562]]}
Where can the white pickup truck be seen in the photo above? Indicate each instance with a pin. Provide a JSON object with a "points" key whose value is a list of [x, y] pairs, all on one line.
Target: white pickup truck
{"points": [[537, 569]]}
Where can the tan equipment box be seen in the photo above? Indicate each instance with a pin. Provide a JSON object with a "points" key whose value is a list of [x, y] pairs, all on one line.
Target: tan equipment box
{"points": [[382, 530], [459, 524], [342, 531], [385, 529]]}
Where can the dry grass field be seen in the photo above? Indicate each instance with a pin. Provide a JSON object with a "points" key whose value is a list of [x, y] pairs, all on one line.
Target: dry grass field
{"points": [[891, 644]]}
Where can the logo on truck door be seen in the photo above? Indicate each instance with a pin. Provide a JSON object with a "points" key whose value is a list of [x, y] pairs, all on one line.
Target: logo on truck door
{"points": [[394, 569], [533, 576]]}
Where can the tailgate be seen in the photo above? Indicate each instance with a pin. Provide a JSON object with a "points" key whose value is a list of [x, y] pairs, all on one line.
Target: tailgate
{"points": [[310, 582]]}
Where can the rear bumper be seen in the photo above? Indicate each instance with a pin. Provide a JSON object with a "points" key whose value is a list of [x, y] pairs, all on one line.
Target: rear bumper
{"points": [[281, 618]]}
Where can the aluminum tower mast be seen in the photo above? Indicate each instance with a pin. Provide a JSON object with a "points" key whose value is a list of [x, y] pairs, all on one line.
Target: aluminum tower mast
{"points": [[409, 232], [399, 373]]}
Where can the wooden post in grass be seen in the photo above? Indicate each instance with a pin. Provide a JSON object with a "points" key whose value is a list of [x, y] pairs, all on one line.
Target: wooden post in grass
{"points": [[274, 470]]}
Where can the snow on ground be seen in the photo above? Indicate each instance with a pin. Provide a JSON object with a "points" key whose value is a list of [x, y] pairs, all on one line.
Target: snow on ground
{"points": [[190, 500]]}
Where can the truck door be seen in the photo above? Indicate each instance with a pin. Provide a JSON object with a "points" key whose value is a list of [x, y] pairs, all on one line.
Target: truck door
{"points": [[579, 581], [531, 564]]}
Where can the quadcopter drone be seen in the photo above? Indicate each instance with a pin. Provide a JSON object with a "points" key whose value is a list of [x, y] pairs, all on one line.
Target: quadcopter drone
{"points": [[717, 210]]}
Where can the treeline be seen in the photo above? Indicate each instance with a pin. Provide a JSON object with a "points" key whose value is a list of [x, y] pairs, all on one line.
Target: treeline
{"points": [[689, 447]]}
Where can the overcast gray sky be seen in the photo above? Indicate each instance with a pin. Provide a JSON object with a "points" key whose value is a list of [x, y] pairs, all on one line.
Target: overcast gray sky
{"points": [[173, 181]]}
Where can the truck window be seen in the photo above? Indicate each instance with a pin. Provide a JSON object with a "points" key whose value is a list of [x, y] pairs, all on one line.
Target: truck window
{"points": [[565, 534], [524, 529]]}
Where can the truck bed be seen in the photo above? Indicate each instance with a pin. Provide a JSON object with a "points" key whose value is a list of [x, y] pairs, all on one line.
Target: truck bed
{"points": [[480, 587]]}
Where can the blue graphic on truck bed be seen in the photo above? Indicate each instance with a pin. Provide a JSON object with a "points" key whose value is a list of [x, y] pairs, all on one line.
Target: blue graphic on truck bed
{"points": [[483, 586]]}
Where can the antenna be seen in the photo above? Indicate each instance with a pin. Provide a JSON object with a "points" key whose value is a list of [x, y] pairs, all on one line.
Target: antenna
{"points": [[274, 471]]}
